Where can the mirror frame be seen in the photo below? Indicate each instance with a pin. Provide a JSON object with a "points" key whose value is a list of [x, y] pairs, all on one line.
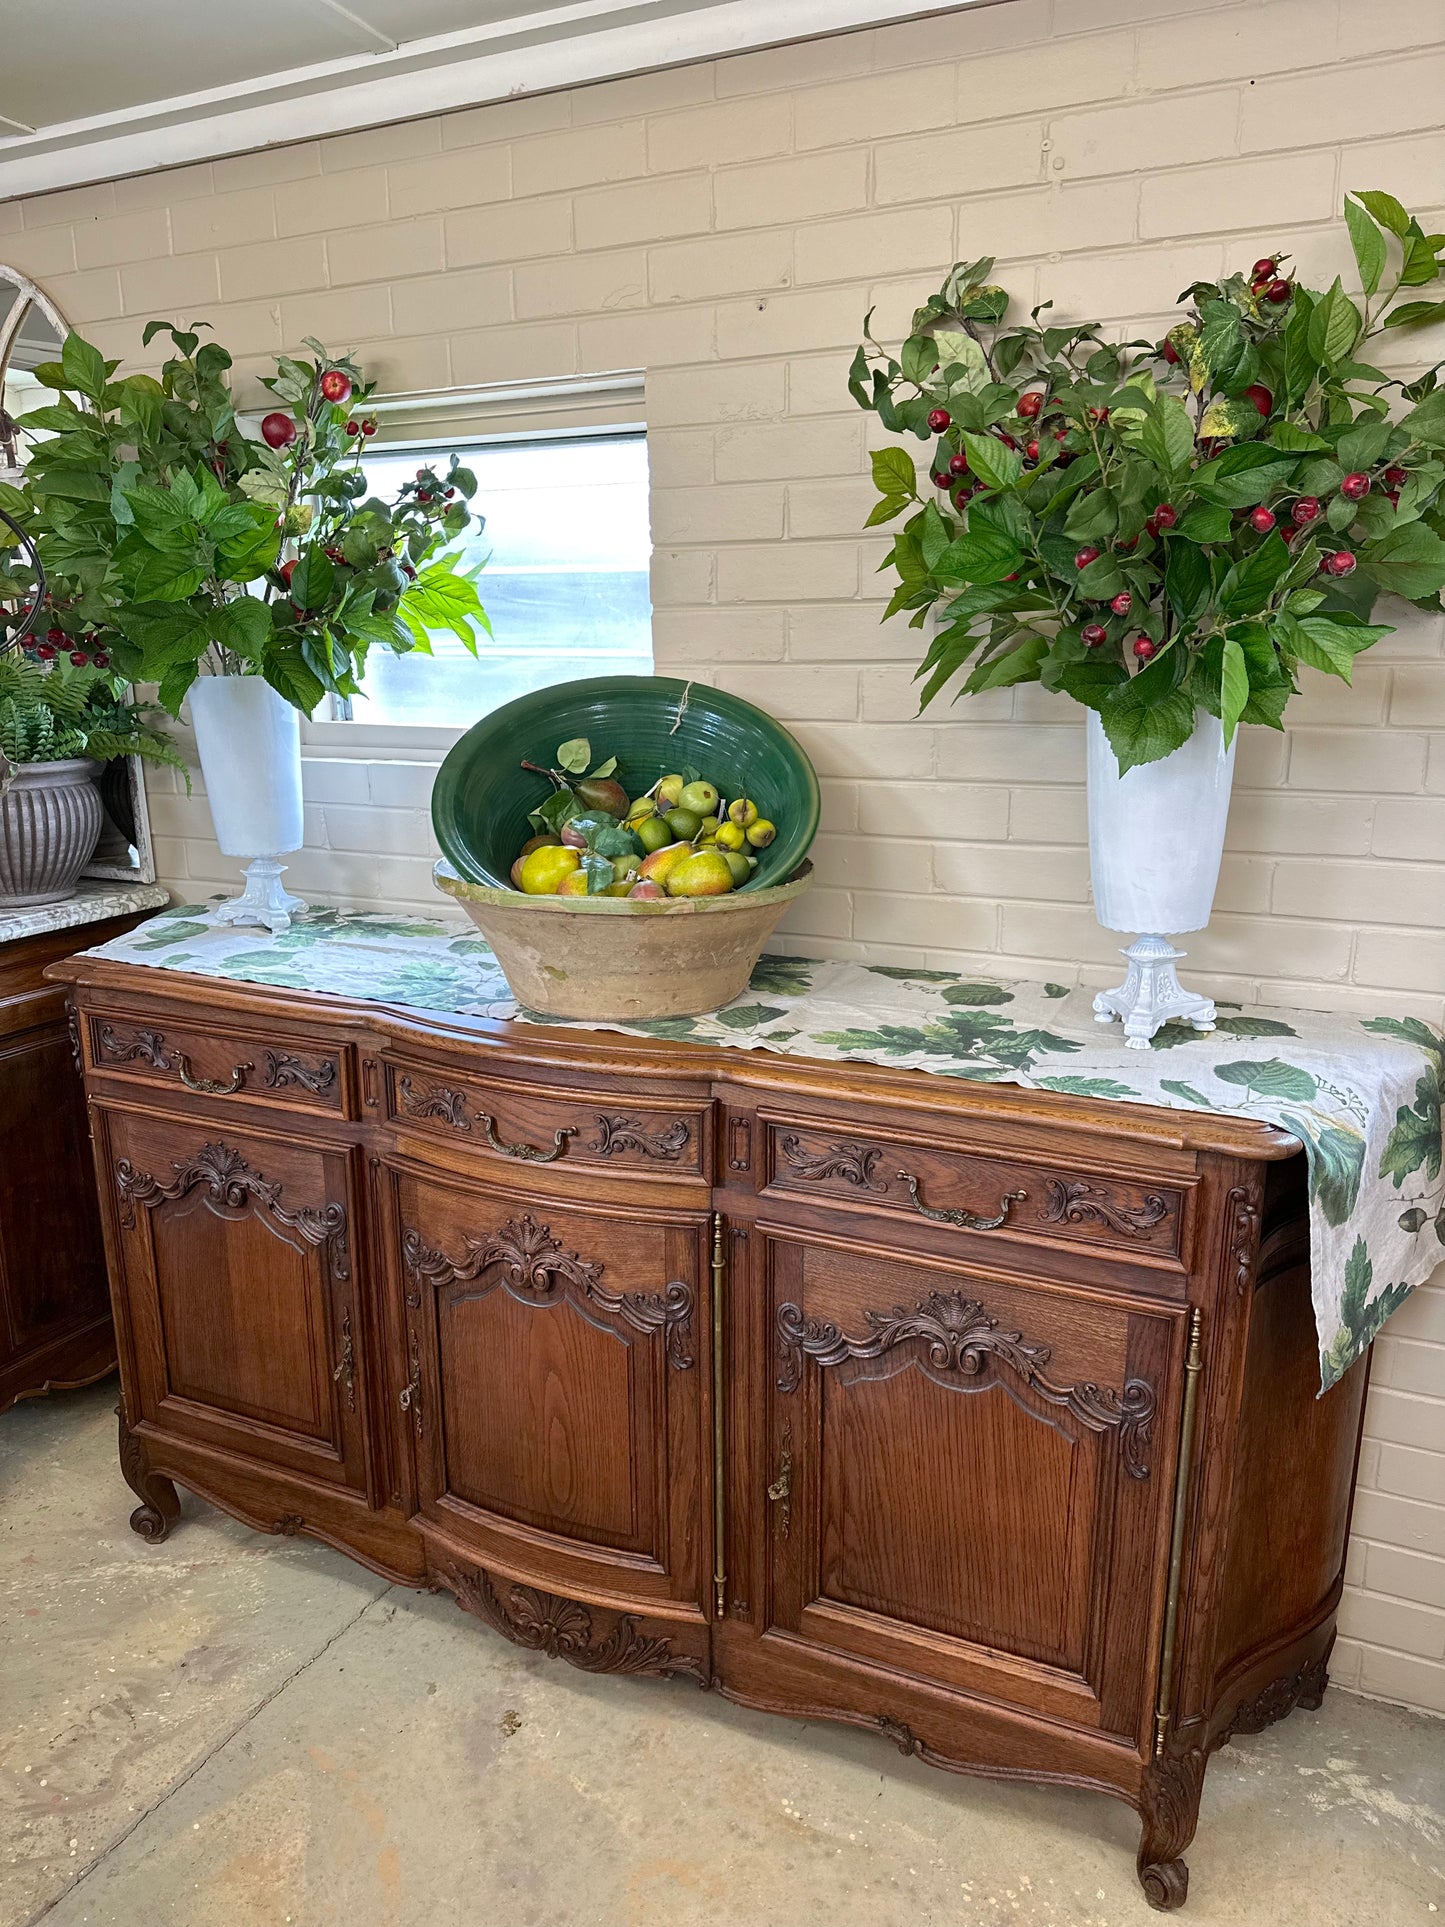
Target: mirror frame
{"points": [[143, 870]]}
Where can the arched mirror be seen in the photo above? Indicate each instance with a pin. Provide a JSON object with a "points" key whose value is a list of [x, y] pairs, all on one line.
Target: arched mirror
{"points": [[32, 331]]}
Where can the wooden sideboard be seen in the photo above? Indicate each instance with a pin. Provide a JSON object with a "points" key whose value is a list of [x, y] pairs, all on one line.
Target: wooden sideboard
{"points": [[55, 1326], [981, 1418]]}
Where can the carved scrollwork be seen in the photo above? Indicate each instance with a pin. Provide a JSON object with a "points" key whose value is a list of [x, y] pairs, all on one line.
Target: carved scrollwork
{"points": [[562, 1628], [1306, 1688], [1075, 1202], [133, 1046], [232, 1186], [622, 1134], [854, 1163], [289, 1524], [535, 1270], [284, 1068], [1243, 1206], [434, 1100], [962, 1346]]}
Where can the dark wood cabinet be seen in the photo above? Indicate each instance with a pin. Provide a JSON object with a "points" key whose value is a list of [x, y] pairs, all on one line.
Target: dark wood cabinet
{"points": [[981, 1418], [55, 1324]]}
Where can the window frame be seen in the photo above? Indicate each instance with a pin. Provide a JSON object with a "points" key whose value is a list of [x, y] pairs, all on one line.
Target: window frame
{"points": [[569, 408]]}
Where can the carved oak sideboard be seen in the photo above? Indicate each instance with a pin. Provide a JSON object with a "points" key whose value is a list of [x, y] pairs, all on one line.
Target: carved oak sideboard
{"points": [[981, 1418]]}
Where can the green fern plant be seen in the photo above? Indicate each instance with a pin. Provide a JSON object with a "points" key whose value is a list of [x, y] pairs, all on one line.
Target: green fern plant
{"points": [[50, 714]]}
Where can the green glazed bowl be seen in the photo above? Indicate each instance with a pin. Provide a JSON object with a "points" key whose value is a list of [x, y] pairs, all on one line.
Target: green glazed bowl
{"points": [[482, 796]]}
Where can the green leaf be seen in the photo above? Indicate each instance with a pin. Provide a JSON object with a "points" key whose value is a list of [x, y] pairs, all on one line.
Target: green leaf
{"points": [[313, 580], [1337, 1164], [1244, 1026], [1087, 1086], [980, 995], [1167, 435], [1330, 643], [1206, 523], [574, 756], [1334, 326], [1176, 1088], [244, 626], [991, 462], [291, 676], [1019, 664], [1270, 1077], [894, 471], [1426, 422], [982, 554], [885, 508], [1415, 1139], [1224, 418], [1410, 561], [1091, 682], [1385, 208], [1100, 579], [1186, 580], [1249, 584], [84, 368], [1233, 689], [1145, 732], [1410, 312], [1242, 476], [1369, 245]]}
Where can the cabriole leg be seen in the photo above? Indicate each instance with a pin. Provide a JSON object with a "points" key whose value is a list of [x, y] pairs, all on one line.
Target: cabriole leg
{"points": [[1169, 1809], [160, 1505]]}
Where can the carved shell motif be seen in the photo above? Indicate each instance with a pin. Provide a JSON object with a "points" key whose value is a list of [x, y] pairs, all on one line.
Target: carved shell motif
{"points": [[562, 1628], [536, 1270]]}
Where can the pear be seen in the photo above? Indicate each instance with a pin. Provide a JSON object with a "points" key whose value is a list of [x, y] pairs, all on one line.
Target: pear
{"points": [[659, 864], [602, 793], [702, 873]]}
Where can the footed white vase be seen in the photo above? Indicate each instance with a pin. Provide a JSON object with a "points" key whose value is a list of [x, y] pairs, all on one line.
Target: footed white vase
{"points": [[1156, 836], [249, 741]]}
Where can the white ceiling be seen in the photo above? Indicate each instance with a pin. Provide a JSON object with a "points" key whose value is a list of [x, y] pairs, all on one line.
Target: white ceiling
{"points": [[91, 89]]}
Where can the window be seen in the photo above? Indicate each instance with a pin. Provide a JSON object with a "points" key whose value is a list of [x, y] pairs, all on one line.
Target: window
{"points": [[565, 585]]}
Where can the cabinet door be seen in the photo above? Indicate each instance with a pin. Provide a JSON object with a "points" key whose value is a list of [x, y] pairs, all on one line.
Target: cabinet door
{"points": [[969, 1477], [238, 1257], [558, 1355]]}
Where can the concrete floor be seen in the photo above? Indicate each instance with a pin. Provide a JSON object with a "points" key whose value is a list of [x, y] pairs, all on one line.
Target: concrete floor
{"points": [[231, 1730]]}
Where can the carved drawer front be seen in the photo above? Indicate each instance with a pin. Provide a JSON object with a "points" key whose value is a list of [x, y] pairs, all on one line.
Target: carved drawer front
{"points": [[969, 1478], [540, 1124], [555, 1373], [238, 1255], [223, 1063], [924, 1181]]}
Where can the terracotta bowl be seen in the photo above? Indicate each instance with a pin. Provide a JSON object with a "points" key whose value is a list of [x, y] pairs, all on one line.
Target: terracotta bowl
{"points": [[608, 958]]}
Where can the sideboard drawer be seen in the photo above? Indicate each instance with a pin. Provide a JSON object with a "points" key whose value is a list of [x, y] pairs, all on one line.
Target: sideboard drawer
{"points": [[916, 1176], [222, 1063], [548, 1124]]}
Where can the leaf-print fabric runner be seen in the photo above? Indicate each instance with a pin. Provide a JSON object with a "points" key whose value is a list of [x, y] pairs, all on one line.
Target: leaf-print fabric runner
{"points": [[1362, 1093]]}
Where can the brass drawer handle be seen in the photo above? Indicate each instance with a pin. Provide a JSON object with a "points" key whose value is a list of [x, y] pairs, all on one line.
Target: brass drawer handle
{"points": [[968, 1220], [210, 1086], [528, 1152]]}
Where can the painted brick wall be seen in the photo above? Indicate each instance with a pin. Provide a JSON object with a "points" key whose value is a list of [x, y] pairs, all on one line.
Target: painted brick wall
{"points": [[725, 226]]}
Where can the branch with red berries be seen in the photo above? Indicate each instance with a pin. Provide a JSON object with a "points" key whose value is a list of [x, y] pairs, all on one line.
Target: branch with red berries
{"points": [[1163, 528]]}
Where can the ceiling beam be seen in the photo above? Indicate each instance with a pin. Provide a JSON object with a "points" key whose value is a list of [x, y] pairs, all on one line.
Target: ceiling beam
{"points": [[563, 46]]}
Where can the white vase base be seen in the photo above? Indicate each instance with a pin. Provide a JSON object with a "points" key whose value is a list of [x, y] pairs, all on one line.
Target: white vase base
{"points": [[1152, 994], [263, 900]]}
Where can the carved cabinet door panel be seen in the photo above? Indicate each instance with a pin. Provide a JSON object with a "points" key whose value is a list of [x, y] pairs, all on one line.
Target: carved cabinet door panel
{"points": [[557, 1366], [969, 1477], [240, 1256]]}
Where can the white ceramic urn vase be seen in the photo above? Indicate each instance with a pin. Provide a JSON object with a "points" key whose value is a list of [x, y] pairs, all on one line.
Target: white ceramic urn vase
{"points": [[249, 741], [1156, 836]]}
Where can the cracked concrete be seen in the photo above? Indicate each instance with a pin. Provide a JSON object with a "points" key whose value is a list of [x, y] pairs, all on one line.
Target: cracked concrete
{"points": [[248, 1731]]}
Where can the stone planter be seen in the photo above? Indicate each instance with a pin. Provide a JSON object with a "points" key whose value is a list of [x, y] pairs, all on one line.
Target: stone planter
{"points": [[50, 818]]}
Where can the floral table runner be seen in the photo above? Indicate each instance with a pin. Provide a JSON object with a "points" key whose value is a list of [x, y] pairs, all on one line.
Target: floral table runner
{"points": [[1363, 1094]]}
